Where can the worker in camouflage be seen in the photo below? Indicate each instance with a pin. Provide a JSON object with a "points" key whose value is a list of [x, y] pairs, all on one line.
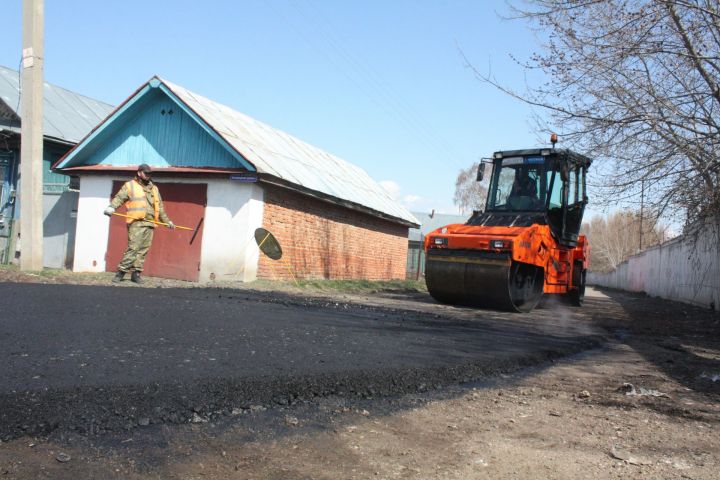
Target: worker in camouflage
{"points": [[144, 207]]}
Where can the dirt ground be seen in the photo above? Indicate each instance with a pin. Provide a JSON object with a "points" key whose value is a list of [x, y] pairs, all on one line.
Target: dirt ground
{"points": [[646, 405]]}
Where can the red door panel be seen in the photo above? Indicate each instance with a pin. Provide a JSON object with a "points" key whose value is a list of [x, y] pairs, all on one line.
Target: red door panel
{"points": [[174, 253]]}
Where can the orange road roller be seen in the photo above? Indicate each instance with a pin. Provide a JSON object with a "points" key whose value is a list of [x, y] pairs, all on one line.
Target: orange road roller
{"points": [[525, 244]]}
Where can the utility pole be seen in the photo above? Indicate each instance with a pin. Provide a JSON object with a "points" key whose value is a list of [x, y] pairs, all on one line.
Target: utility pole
{"points": [[31, 138]]}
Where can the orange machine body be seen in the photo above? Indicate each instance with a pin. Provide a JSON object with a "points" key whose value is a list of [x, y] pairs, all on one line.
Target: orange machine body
{"points": [[533, 245]]}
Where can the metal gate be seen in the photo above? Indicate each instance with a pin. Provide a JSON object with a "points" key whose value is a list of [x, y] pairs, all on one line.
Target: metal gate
{"points": [[174, 253]]}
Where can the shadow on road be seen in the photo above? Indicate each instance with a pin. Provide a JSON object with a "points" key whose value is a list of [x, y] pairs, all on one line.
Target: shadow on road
{"points": [[681, 340]]}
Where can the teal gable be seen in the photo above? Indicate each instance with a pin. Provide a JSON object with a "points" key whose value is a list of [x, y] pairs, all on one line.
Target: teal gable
{"points": [[156, 128]]}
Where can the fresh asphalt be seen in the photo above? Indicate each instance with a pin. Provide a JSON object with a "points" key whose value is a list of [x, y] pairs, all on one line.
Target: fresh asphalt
{"points": [[93, 359]]}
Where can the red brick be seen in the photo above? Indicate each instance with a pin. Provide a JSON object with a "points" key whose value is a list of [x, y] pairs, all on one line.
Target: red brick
{"points": [[323, 240]]}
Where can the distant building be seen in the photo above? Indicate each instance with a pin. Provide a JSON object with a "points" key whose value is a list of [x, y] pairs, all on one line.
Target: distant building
{"points": [[416, 237], [225, 175], [67, 117]]}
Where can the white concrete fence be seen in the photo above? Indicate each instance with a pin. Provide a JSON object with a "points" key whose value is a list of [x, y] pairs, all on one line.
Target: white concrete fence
{"points": [[680, 269]]}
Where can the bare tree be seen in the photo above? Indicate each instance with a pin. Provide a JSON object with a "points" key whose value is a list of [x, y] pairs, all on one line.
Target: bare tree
{"points": [[635, 86], [469, 193], [618, 236]]}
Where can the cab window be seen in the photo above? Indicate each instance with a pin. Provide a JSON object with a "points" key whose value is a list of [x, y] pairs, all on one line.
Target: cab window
{"points": [[556, 192]]}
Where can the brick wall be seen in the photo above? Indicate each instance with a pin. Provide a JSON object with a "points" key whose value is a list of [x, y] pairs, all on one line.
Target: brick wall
{"points": [[322, 240]]}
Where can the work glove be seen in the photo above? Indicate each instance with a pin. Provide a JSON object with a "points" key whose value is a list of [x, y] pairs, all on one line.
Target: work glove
{"points": [[171, 225], [109, 211]]}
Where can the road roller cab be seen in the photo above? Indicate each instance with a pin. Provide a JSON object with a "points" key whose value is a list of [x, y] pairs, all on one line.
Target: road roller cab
{"points": [[526, 242]]}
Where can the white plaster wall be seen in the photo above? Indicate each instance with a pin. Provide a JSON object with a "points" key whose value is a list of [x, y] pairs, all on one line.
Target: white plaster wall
{"points": [[58, 228], [681, 269], [91, 233], [229, 252]]}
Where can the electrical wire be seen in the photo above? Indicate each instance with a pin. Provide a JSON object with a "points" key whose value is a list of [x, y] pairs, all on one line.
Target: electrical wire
{"points": [[375, 79], [17, 108], [369, 82]]}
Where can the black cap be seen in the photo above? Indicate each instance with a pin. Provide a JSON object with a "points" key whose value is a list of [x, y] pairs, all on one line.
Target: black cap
{"points": [[144, 168]]}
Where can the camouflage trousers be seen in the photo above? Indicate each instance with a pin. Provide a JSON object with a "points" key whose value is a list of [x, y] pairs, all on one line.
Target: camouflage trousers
{"points": [[140, 235]]}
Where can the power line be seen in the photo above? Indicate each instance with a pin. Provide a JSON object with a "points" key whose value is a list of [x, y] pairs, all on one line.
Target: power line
{"points": [[370, 83], [385, 88]]}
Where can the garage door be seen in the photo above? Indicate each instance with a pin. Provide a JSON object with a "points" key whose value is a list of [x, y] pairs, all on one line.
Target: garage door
{"points": [[174, 253]]}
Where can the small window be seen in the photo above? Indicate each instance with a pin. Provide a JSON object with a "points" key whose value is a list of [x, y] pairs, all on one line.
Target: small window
{"points": [[556, 193], [505, 182], [572, 187]]}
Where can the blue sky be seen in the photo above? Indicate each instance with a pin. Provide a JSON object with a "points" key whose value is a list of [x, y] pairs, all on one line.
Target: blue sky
{"points": [[381, 84]]}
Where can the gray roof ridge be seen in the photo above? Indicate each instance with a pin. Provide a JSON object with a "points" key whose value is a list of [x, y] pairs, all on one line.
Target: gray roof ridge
{"points": [[59, 88], [333, 156], [362, 181]]}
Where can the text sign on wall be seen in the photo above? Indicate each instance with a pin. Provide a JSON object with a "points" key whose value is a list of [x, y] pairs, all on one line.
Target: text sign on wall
{"points": [[244, 177]]}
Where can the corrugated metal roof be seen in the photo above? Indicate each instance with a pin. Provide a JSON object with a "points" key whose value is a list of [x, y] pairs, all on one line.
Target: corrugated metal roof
{"points": [[280, 154], [272, 153], [68, 116], [429, 223]]}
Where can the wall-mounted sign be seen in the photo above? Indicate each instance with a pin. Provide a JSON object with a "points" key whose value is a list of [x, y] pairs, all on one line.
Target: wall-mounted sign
{"points": [[244, 177]]}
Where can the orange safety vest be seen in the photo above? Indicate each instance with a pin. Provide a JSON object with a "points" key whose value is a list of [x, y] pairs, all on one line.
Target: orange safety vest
{"points": [[137, 201]]}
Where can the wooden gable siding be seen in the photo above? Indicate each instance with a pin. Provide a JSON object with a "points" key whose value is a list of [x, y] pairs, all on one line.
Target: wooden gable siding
{"points": [[158, 132], [53, 182]]}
